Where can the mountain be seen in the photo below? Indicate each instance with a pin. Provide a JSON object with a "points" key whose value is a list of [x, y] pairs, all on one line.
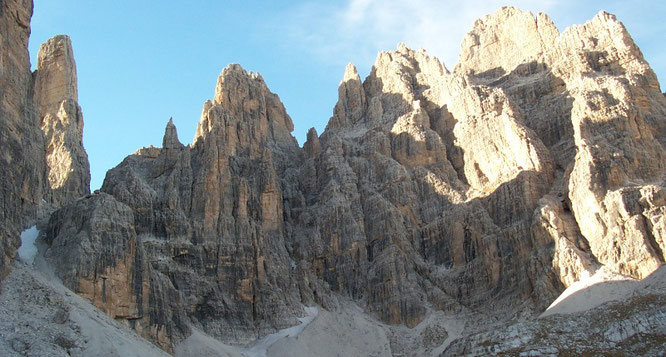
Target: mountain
{"points": [[440, 211], [43, 162]]}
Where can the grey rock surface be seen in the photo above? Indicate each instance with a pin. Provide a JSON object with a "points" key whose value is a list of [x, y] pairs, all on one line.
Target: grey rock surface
{"points": [[43, 164], [481, 193], [202, 226], [41, 317], [22, 143]]}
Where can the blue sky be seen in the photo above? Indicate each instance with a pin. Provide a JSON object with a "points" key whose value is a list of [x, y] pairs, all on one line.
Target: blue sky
{"points": [[141, 62]]}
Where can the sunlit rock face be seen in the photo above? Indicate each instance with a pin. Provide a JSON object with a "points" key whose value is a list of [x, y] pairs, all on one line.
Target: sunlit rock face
{"points": [[428, 195], [56, 96], [490, 188], [42, 161], [590, 96]]}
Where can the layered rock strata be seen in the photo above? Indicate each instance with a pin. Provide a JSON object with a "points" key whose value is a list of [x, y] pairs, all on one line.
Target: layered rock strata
{"points": [[488, 189]]}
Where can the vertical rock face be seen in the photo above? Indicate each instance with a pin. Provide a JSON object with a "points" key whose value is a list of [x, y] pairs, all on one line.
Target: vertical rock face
{"points": [[204, 223], [95, 250], [613, 103], [92, 256], [618, 176], [536, 160], [68, 171], [428, 195], [22, 154], [490, 189], [55, 79], [43, 162]]}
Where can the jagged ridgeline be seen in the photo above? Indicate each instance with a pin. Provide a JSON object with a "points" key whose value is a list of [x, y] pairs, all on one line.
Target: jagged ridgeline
{"points": [[484, 191]]}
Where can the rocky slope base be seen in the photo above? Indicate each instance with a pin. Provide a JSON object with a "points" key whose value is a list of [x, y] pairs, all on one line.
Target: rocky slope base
{"points": [[607, 314], [478, 194], [634, 324], [41, 317]]}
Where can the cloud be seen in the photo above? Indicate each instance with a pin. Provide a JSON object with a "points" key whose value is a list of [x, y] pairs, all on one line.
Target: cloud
{"points": [[357, 29]]}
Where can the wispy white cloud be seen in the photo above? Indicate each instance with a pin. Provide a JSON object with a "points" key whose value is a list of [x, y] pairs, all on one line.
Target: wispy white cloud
{"points": [[357, 29]]}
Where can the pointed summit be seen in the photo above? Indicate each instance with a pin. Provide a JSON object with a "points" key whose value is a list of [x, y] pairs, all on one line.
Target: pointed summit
{"points": [[55, 96], [233, 78], [243, 98], [501, 41], [351, 74], [351, 99], [311, 145], [56, 78], [402, 48], [170, 140]]}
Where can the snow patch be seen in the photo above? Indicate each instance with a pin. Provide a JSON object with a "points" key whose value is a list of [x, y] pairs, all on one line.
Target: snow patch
{"points": [[28, 249], [260, 349], [591, 291]]}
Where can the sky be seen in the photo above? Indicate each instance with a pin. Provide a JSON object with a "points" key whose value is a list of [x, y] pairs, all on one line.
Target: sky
{"points": [[141, 62]]}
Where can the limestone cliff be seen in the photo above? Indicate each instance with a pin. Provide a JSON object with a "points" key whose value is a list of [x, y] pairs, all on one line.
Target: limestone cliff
{"points": [[20, 138], [43, 164], [206, 221], [608, 114], [486, 190], [56, 96], [412, 201]]}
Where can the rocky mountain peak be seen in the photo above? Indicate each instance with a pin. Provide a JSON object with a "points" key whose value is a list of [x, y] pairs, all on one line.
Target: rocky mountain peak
{"points": [[505, 39], [351, 100], [351, 74], [56, 96], [311, 145], [395, 86], [170, 140], [478, 194], [56, 78], [242, 97], [235, 80]]}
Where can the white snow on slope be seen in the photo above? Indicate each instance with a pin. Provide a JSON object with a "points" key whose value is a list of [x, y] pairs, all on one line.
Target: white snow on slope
{"points": [[28, 249], [591, 291], [260, 349]]}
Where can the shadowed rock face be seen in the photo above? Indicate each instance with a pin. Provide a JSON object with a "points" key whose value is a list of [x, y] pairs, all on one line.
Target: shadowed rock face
{"points": [[43, 164], [20, 138], [488, 189], [207, 221]]}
